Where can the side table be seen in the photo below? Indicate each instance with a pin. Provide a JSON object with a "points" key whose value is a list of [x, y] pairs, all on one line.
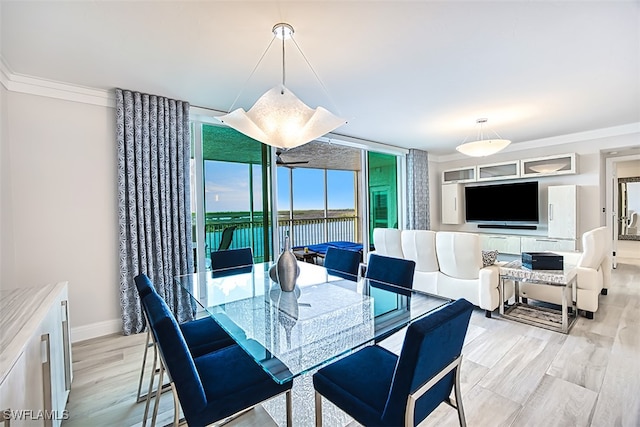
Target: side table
{"points": [[535, 315]]}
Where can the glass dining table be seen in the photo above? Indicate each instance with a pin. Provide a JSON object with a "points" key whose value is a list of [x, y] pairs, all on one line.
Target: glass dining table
{"points": [[291, 333]]}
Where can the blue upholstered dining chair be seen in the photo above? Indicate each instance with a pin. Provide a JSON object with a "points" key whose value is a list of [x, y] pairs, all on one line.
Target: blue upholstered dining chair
{"points": [[342, 263], [396, 271], [202, 336], [224, 263], [213, 386], [404, 389]]}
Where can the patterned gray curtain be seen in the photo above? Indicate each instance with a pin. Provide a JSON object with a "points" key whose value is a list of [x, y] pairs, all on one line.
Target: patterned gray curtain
{"points": [[418, 190], [154, 211]]}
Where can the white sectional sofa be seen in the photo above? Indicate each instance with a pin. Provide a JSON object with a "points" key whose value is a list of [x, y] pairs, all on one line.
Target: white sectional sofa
{"points": [[447, 264]]}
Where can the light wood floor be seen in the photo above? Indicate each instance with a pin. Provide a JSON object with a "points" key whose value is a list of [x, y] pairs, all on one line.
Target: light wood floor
{"points": [[512, 374]]}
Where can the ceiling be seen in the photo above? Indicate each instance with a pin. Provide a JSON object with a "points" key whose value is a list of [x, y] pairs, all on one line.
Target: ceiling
{"points": [[414, 74]]}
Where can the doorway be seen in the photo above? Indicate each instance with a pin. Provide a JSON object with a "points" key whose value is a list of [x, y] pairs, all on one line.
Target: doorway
{"points": [[619, 172]]}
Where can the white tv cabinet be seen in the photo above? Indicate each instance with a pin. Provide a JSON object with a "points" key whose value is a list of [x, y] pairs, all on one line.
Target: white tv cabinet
{"points": [[514, 245], [562, 227]]}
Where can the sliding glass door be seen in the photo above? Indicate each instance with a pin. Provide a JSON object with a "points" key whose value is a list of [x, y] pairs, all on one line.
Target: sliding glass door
{"points": [[320, 194], [383, 191], [235, 192]]}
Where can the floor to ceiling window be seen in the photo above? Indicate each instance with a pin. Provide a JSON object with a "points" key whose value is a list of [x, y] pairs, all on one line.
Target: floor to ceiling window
{"points": [[236, 192], [317, 205]]}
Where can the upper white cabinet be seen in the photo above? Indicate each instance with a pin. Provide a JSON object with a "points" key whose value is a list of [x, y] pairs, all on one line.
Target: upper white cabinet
{"points": [[525, 168], [562, 211], [452, 204], [467, 174], [550, 165], [492, 172]]}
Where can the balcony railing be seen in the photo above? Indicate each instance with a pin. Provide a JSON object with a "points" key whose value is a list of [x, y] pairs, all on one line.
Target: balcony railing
{"points": [[303, 232]]}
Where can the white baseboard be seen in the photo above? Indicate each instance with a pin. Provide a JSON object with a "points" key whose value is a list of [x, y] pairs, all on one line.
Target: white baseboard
{"points": [[94, 330]]}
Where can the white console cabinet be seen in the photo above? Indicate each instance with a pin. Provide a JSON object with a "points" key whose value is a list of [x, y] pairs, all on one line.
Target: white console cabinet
{"points": [[542, 244], [515, 245], [35, 355], [452, 204], [504, 244]]}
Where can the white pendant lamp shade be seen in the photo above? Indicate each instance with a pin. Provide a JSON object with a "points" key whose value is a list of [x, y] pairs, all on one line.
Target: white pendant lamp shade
{"points": [[280, 119], [483, 147]]}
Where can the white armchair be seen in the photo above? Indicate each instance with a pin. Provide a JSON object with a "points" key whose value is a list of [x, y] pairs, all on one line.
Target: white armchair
{"points": [[593, 267]]}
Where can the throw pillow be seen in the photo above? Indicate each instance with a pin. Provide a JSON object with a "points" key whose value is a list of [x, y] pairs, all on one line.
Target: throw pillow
{"points": [[489, 258]]}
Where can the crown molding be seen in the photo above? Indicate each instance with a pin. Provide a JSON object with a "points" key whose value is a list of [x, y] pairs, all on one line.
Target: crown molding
{"points": [[609, 132], [20, 83]]}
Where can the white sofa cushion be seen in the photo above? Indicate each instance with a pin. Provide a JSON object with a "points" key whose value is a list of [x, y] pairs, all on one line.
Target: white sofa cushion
{"points": [[459, 254], [387, 242], [427, 282], [419, 246]]}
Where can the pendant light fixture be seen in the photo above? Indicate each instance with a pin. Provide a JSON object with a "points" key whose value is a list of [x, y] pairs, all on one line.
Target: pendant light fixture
{"points": [[279, 118], [483, 147]]}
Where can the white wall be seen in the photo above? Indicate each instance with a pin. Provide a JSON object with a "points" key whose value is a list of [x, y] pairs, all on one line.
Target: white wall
{"points": [[628, 169], [63, 205], [6, 223], [590, 179]]}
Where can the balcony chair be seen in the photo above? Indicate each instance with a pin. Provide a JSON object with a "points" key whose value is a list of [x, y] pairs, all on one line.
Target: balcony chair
{"points": [[202, 336], [227, 237], [396, 271], [231, 261], [593, 269], [211, 387], [404, 389], [343, 263]]}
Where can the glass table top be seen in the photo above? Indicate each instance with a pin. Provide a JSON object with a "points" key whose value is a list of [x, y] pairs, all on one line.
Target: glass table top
{"points": [[290, 333]]}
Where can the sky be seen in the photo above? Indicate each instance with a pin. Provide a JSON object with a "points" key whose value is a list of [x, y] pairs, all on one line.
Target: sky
{"points": [[227, 188]]}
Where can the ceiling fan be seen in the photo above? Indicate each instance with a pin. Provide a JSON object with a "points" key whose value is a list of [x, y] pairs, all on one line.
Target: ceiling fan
{"points": [[281, 162]]}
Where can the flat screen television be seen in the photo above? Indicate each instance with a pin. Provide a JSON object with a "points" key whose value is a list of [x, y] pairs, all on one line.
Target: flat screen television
{"points": [[507, 203]]}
